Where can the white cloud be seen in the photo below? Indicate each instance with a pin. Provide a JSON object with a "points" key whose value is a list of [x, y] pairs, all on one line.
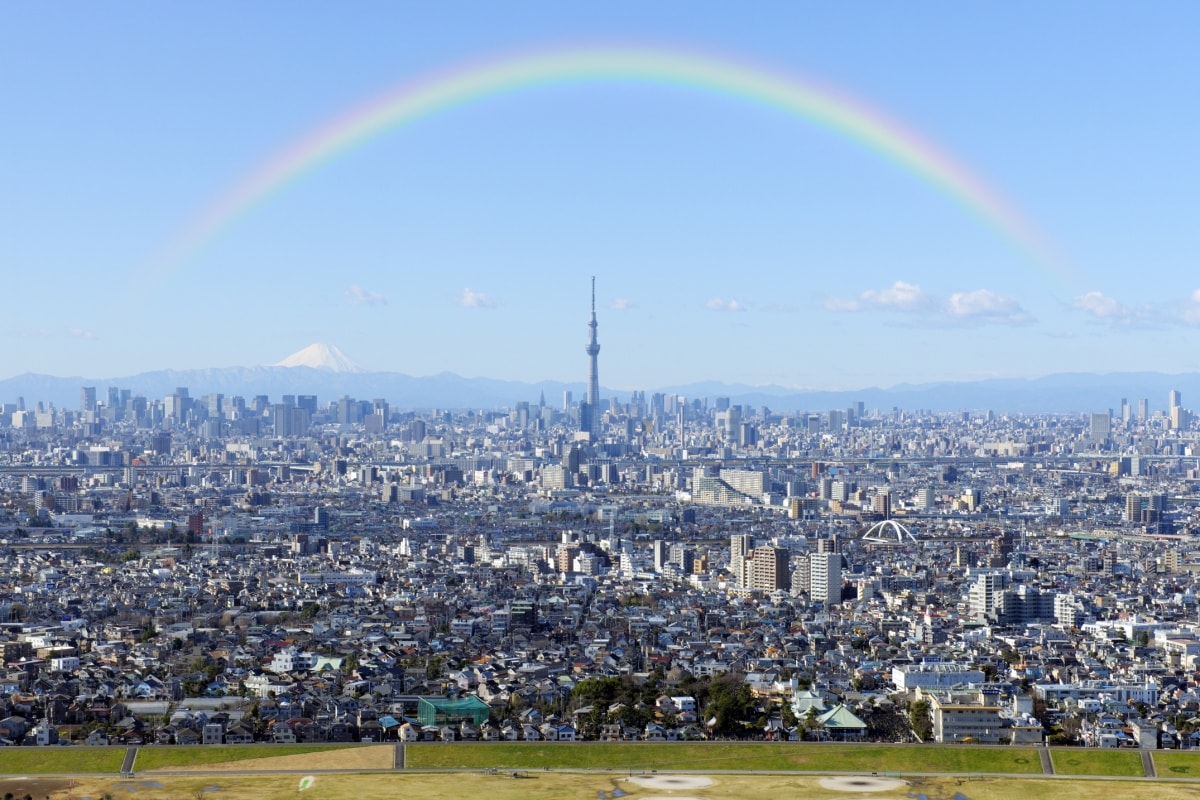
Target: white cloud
{"points": [[978, 306], [622, 304], [1191, 309], [357, 295], [80, 333], [717, 304], [469, 298], [985, 305], [900, 296], [1103, 307], [1109, 310]]}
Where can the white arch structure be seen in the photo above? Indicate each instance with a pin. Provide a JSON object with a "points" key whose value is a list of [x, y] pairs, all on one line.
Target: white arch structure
{"points": [[888, 532]]}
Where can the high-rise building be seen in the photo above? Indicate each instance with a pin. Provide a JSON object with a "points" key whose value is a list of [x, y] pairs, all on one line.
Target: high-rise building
{"points": [[87, 398], [1101, 426], [740, 545], [589, 412], [1144, 409], [769, 569], [661, 554], [825, 578], [1174, 398]]}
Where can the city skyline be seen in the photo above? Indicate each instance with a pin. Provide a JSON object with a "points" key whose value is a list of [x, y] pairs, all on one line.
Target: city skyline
{"points": [[809, 197]]}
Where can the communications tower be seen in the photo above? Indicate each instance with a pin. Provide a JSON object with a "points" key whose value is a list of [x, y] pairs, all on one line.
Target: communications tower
{"points": [[589, 413]]}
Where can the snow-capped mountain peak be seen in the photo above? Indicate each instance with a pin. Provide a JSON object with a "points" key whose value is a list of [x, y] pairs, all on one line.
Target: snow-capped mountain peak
{"points": [[322, 356]]}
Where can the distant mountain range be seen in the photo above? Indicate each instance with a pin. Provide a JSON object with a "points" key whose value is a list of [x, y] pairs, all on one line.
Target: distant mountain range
{"points": [[325, 371]]}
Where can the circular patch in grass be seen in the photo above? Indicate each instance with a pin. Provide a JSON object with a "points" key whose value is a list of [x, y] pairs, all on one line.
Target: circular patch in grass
{"points": [[861, 783], [672, 781]]}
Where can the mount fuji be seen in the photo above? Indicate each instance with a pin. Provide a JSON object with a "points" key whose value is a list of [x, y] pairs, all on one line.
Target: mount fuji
{"points": [[324, 357]]}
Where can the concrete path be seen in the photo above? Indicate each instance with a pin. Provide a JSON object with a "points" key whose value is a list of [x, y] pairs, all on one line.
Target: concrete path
{"points": [[127, 764], [1047, 761], [398, 758], [1148, 764]]}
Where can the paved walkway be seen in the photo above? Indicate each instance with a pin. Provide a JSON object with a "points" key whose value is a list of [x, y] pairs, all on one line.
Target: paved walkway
{"points": [[1047, 761], [127, 764], [1148, 764], [398, 758]]}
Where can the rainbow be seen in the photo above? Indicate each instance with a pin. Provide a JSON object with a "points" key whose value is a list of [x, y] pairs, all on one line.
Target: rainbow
{"points": [[800, 97]]}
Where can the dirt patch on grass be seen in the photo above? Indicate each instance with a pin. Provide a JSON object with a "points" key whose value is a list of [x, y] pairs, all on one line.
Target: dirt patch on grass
{"points": [[353, 758], [35, 787]]}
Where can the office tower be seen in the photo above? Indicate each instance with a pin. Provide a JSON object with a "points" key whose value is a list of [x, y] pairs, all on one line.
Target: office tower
{"points": [[1126, 410], [1101, 426], [825, 578], [1144, 409], [589, 412], [87, 398], [1174, 398]]}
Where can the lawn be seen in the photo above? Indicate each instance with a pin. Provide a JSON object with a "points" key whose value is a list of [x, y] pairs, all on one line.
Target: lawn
{"points": [[149, 758], [1176, 764], [1097, 761], [50, 760], [725, 756]]}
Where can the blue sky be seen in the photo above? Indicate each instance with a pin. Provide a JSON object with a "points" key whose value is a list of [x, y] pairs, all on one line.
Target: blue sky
{"points": [[729, 241]]}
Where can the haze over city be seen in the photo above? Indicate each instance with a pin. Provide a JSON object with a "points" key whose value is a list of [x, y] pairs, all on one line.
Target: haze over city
{"points": [[808, 195]]}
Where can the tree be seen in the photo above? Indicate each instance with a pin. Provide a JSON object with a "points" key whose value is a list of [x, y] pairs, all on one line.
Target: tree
{"points": [[730, 705], [788, 715], [811, 724], [919, 718]]}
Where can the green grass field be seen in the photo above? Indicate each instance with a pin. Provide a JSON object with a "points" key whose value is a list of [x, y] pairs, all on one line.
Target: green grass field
{"points": [[50, 760], [1094, 761], [1176, 764], [149, 758], [725, 756]]}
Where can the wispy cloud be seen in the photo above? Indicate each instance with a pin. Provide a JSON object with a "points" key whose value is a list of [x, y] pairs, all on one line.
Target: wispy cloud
{"points": [[469, 298], [80, 333], [975, 307], [357, 295], [622, 304], [1101, 306], [985, 305], [1190, 313], [718, 304], [1109, 310]]}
